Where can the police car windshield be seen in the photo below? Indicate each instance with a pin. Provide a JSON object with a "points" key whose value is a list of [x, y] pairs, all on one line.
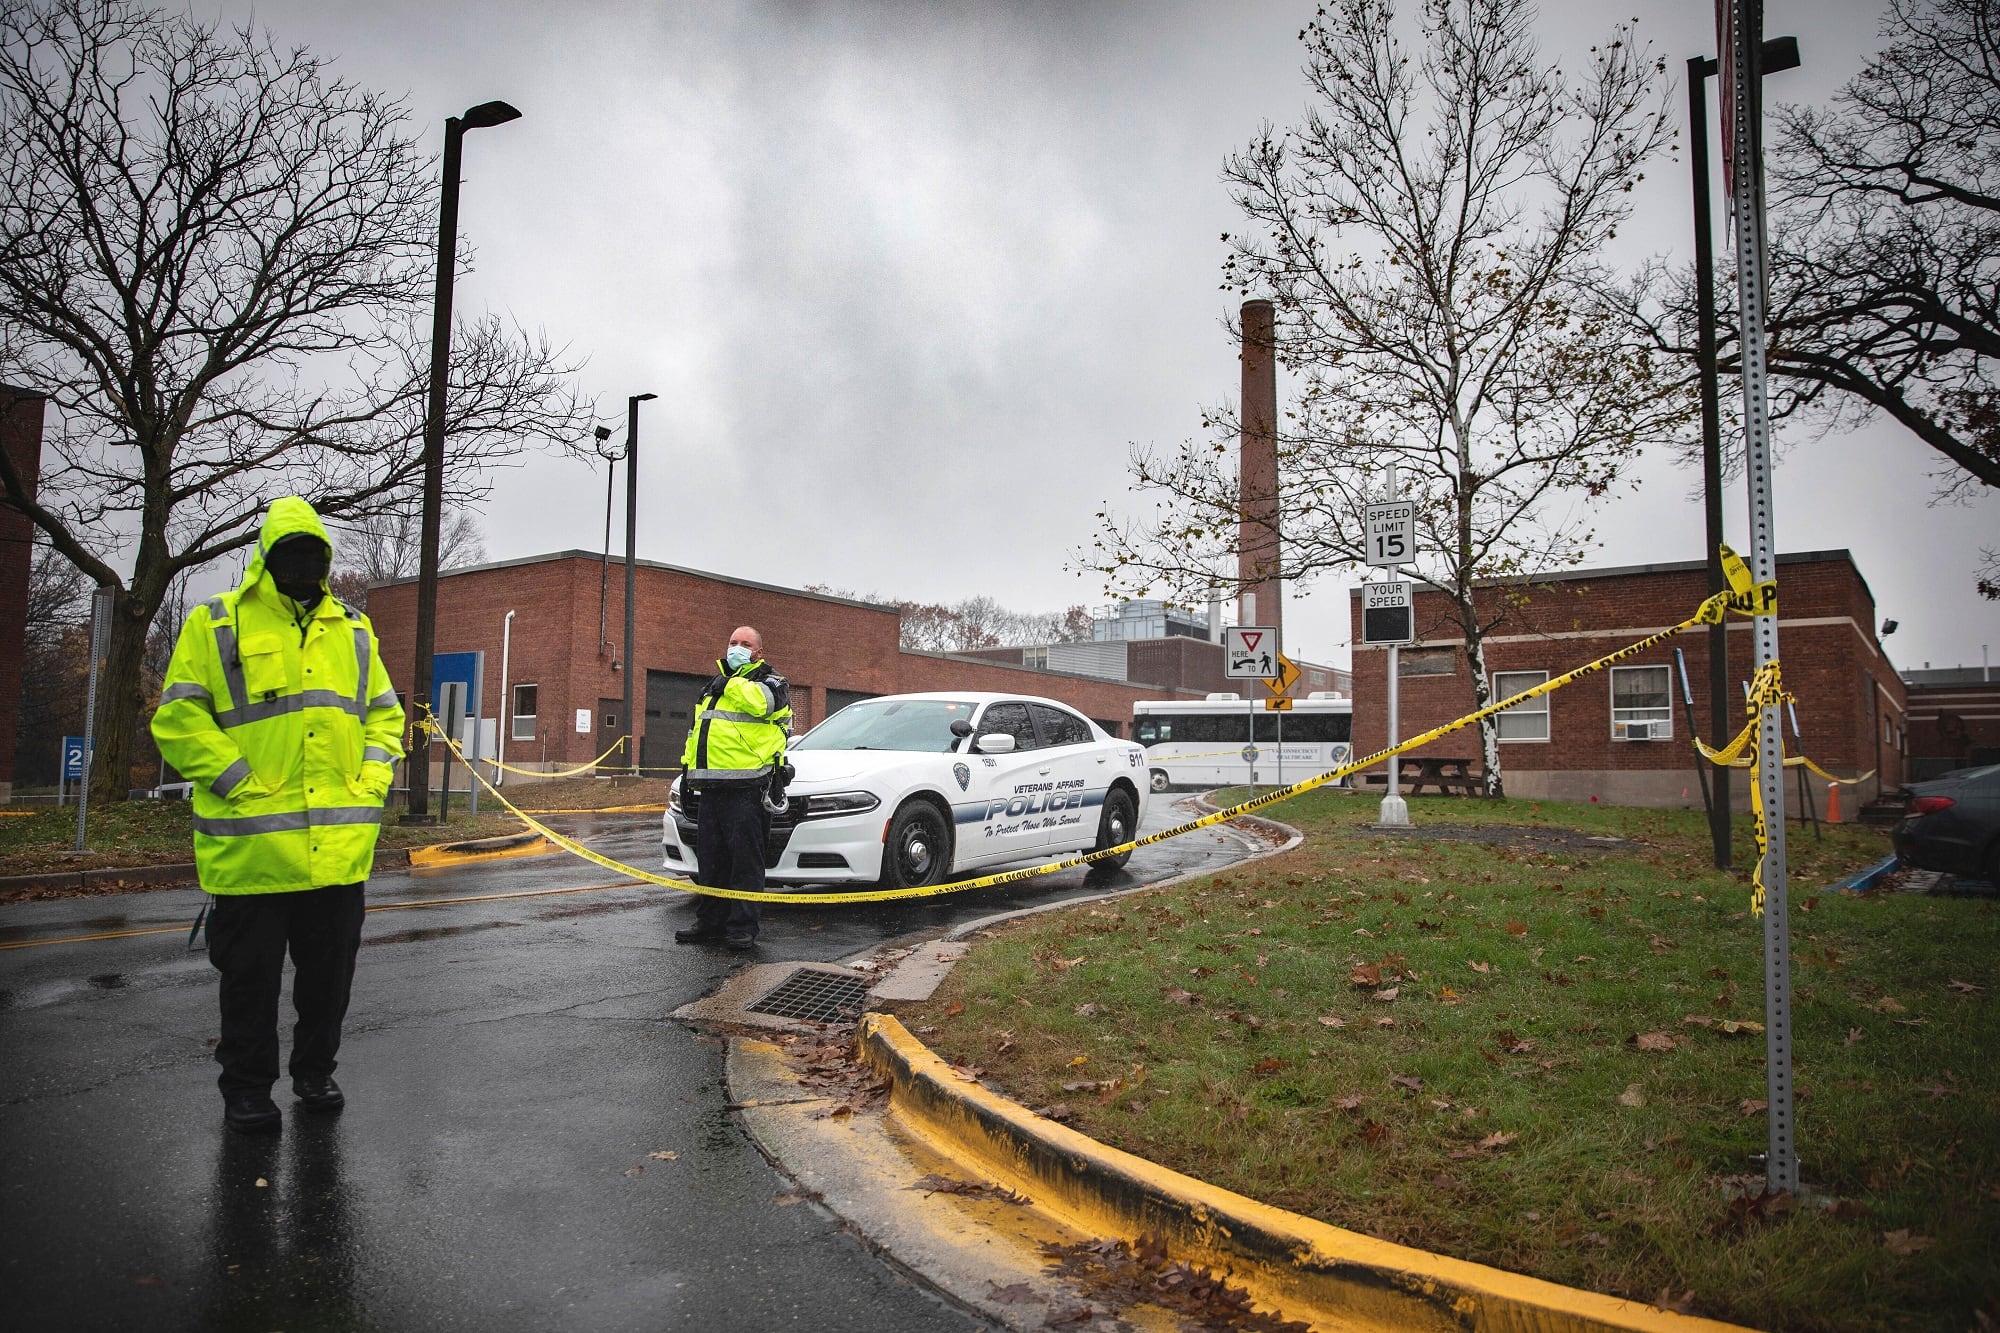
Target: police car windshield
{"points": [[890, 724]]}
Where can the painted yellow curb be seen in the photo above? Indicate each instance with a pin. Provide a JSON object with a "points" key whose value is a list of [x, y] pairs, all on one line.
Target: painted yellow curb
{"points": [[1334, 1279], [481, 849]]}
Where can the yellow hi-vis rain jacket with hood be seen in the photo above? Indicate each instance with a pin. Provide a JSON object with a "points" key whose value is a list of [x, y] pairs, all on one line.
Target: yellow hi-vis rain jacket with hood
{"points": [[285, 723], [741, 726]]}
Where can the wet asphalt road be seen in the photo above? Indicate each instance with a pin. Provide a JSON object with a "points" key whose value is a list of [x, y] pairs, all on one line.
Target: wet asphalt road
{"points": [[509, 1067]]}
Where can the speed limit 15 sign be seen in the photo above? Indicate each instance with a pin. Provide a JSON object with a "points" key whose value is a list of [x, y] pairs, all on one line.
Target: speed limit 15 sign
{"points": [[1389, 527]]}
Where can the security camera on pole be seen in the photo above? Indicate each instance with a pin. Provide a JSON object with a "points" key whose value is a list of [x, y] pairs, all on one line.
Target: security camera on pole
{"points": [[1388, 613]]}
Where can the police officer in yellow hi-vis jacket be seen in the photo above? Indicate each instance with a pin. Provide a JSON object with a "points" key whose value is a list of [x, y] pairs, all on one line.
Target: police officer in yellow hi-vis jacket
{"points": [[278, 710], [735, 757]]}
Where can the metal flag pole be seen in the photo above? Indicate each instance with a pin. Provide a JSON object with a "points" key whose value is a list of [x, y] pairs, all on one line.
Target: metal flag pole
{"points": [[1742, 37]]}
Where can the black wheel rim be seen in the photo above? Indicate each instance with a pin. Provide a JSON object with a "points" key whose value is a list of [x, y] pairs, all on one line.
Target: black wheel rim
{"points": [[917, 852]]}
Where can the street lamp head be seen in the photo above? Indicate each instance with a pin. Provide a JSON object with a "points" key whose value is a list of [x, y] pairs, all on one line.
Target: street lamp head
{"points": [[487, 114], [644, 397]]}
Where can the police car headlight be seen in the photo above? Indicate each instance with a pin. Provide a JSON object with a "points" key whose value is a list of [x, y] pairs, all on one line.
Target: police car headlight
{"points": [[674, 797], [839, 803]]}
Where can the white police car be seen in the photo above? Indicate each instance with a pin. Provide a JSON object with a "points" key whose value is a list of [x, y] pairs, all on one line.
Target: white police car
{"points": [[913, 789]]}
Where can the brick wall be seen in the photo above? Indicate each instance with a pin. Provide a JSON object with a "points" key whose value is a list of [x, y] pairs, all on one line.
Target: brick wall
{"points": [[683, 624], [21, 437], [1954, 726], [1851, 704]]}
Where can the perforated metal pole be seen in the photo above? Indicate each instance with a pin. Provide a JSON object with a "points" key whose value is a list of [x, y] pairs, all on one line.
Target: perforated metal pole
{"points": [[100, 629], [1395, 810], [1743, 43]]}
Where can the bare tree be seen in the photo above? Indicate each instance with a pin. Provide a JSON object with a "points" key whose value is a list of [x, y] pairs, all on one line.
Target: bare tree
{"points": [[1886, 244], [1428, 239], [976, 622], [387, 545], [216, 261]]}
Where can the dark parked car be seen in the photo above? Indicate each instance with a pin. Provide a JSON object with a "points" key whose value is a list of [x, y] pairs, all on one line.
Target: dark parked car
{"points": [[1952, 824]]}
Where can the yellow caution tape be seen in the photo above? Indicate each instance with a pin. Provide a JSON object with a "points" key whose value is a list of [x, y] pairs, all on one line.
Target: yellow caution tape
{"points": [[1709, 611], [427, 722], [1747, 596]]}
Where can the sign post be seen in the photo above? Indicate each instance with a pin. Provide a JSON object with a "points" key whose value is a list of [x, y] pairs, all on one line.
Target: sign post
{"points": [[1389, 543], [1740, 43], [1250, 652], [100, 631], [1280, 703]]}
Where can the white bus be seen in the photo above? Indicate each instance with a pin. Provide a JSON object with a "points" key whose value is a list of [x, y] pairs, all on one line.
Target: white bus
{"points": [[1226, 740]]}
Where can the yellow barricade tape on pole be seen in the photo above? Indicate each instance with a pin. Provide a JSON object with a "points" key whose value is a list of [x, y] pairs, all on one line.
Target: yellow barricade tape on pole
{"points": [[1712, 611], [428, 723]]}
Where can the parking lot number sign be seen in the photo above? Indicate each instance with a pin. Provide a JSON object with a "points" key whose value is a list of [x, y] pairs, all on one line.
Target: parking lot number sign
{"points": [[1249, 651], [72, 758], [1390, 527], [1388, 614]]}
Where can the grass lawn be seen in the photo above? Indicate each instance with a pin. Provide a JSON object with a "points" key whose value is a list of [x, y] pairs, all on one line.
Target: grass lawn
{"points": [[142, 833], [1536, 1055]]}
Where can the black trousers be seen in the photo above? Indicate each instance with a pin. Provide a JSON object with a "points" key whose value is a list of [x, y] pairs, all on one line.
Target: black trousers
{"points": [[248, 935], [729, 844]]}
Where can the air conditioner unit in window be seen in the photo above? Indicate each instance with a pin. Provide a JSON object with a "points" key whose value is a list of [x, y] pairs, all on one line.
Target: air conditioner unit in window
{"points": [[1644, 731]]}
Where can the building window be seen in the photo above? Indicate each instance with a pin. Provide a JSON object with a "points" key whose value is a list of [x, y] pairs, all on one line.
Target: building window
{"points": [[524, 713], [1641, 708], [1524, 721]]}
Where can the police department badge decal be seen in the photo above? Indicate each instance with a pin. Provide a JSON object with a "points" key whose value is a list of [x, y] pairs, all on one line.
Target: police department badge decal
{"points": [[963, 774]]}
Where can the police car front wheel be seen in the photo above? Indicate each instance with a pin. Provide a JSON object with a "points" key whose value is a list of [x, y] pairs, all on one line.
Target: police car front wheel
{"points": [[918, 848], [1115, 827]]}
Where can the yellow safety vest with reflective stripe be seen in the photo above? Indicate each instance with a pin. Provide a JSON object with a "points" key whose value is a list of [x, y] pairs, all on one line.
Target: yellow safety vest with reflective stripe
{"points": [[740, 732], [285, 723]]}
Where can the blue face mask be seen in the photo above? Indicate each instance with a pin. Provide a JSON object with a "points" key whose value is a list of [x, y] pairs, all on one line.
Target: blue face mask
{"points": [[738, 657]]}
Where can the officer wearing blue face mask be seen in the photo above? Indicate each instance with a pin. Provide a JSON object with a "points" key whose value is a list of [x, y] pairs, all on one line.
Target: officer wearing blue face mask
{"points": [[736, 748]]}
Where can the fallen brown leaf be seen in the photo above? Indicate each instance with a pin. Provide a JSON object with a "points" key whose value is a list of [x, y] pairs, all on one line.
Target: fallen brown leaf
{"points": [[1350, 1103], [1387, 996], [1410, 1081], [1903, 1243], [1480, 967], [955, 1008], [1332, 1021], [664, 1156], [1967, 987], [1651, 1041], [1517, 927], [1752, 1106], [1634, 1095], [1854, 1035], [1175, 995]]}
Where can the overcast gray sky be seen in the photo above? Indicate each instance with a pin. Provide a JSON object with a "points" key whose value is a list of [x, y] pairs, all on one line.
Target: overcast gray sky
{"points": [[910, 278]]}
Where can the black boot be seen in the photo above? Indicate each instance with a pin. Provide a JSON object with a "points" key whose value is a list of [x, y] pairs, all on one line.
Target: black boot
{"points": [[251, 1113], [318, 1092]]}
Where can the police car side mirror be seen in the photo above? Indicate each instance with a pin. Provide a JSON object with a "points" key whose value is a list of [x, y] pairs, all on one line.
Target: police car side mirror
{"points": [[961, 727], [999, 742]]}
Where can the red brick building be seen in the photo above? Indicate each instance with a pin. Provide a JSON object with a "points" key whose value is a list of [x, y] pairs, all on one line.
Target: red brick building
{"points": [[832, 650], [1954, 720], [21, 437], [1621, 735]]}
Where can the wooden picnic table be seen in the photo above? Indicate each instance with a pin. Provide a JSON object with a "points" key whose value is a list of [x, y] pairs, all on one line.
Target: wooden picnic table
{"points": [[1449, 775]]}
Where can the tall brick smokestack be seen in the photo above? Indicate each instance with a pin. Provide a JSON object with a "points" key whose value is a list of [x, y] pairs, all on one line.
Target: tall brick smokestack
{"points": [[1257, 474]]}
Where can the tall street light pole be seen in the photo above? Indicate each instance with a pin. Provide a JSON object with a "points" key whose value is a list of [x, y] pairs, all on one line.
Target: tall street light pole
{"points": [[1779, 53], [418, 807], [632, 567]]}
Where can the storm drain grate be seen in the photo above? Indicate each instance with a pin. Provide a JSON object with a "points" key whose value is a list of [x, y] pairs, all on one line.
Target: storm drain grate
{"points": [[818, 997]]}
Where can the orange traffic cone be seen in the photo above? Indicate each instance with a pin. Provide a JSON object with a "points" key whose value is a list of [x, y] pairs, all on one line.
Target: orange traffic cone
{"points": [[1833, 802]]}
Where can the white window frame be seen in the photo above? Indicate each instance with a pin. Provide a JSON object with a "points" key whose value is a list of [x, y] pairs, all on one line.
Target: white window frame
{"points": [[515, 717], [1533, 708], [1659, 721]]}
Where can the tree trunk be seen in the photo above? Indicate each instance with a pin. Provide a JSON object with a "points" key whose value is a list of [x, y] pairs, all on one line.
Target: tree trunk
{"points": [[120, 700], [1482, 695]]}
